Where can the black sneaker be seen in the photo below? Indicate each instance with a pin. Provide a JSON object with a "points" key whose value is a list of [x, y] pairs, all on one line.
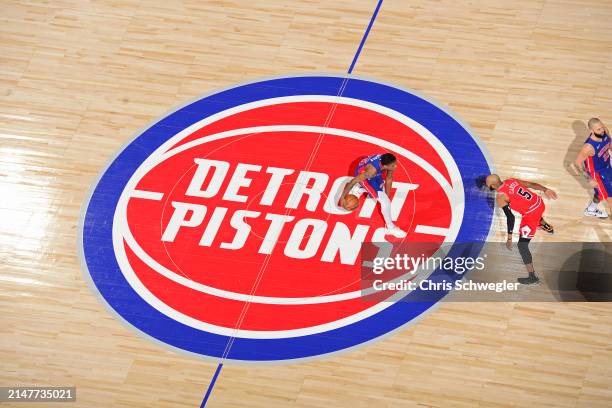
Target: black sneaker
{"points": [[546, 227], [531, 280]]}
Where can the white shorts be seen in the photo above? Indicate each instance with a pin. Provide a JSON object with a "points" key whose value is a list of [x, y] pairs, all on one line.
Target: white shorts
{"points": [[365, 187], [357, 190]]}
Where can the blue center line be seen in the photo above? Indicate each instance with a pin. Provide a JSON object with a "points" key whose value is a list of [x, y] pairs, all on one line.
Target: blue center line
{"points": [[365, 37], [211, 385], [350, 70]]}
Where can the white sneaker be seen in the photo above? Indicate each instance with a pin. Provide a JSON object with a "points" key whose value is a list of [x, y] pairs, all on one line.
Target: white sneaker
{"points": [[395, 231], [596, 213]]}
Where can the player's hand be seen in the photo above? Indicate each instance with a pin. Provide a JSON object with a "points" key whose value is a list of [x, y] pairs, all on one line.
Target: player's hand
{"points": [[550, 194], [509, 243], [573, 168], [579, 171], [342, 201]]}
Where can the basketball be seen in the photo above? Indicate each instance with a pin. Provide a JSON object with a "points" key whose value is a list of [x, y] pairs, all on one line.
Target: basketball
{"points": [[351, 202]]}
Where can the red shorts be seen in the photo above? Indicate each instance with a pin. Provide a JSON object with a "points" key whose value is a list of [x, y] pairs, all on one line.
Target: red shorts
{"points": [[531, 220]]}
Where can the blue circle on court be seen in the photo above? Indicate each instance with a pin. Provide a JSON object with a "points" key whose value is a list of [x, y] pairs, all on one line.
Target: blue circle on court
{"points": [[96, 229]]}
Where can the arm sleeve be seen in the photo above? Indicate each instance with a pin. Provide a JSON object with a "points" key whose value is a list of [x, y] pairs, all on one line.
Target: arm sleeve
{"points": [[509, 218]]}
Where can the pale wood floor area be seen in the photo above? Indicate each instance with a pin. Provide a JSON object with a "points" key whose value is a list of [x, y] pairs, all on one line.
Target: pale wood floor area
{"points": [[79, 78]]}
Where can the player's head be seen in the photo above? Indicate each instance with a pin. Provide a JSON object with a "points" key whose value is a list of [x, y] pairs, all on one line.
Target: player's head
{"points": [[597, 127], [493, 182], [388, 161]]}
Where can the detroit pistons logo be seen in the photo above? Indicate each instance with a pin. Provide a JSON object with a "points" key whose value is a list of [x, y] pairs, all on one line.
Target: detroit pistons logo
{"points": [[217, 230]]}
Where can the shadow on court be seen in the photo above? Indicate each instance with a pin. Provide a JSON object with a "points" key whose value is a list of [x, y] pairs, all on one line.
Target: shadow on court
{"points": [[586, 275]]}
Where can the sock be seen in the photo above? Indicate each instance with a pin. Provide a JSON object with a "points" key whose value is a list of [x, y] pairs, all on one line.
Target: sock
{"points": [[592, 206], [385, 208]]}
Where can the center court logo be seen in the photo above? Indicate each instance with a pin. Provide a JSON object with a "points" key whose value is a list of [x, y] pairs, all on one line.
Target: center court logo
{"points": [[217, 231]]}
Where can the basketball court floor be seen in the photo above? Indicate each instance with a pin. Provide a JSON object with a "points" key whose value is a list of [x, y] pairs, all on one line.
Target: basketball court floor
{"points": [[109, 108]]}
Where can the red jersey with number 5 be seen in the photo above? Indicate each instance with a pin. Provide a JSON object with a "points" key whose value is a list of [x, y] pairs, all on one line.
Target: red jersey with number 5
{"points": [[522, 200]]}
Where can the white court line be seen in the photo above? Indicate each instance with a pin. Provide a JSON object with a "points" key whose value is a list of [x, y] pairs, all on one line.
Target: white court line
{"points": [[428, 229], [149, 195]]}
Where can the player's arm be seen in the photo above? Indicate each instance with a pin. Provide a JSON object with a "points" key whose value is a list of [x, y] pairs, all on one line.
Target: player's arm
{"points": [[369, 172], [583, 155], [504, 204], [388, 182], [537, 186]]}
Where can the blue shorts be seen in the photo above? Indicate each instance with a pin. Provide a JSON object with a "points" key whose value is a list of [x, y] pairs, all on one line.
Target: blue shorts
{"points": [[372, 186], [603, 178]]}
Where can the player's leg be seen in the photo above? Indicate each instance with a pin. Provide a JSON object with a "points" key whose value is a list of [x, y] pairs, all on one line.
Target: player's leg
{"points": [[527, 231], [543, 225], [523, 247], [606, 180], [604, 186], [385, 208], [593, 209]]}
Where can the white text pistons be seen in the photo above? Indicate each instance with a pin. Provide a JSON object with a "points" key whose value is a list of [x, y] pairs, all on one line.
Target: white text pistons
{"points": [[284, 190]]}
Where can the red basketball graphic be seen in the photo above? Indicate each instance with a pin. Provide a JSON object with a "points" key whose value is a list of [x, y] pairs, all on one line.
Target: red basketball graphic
{"points": [[244, 189], [218, 229]]}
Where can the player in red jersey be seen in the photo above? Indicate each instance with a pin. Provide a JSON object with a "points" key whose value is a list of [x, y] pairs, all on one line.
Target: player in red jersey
{"points": [[516, 194]]}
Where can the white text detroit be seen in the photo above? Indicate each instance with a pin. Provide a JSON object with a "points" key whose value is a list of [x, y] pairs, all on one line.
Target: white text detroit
{"points": [[321, 197]]}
